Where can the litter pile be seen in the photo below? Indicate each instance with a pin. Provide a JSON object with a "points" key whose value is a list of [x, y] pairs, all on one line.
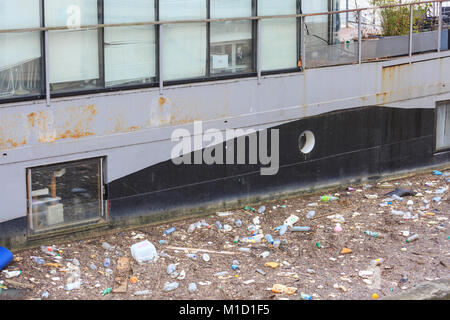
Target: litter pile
{"points": [[362, 242]]}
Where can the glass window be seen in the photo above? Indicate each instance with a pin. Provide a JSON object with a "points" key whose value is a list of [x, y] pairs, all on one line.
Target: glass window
{"points": [[130, 52], [278, 36], [443, 126], [231, 42], [184, 44], [20, 53], [65, 195], [74, 54]]}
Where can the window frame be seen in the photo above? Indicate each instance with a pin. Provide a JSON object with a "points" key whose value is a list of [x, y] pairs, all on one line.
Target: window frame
{"points": [[103, 218], [208, 78]]}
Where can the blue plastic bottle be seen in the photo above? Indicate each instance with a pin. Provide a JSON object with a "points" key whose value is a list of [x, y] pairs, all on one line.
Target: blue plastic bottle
{"points": [[6, 257]]}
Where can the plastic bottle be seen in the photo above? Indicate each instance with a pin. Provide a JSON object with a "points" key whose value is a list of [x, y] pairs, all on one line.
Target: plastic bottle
{"points": [[269, 238], [223, 273], [169, 231], [372, 234], [92, 266], [412, 238], [107, 246], [265, 254], [142, 293], [261, 209], [236, 239], [283, 229], [50, 250], [206, 257], [191, 228], [376, 262], [252, 229], [235, 267], [11, 274], [238, 223], [219, 225], [45, 295], [192, 256], [161, 242], [72, 286], [294, 229], [171, 268], [192, 287], [107, 262], [310, 214], [396, 197], [276, 243], [244, 249], [38, 260], [306, 296]]}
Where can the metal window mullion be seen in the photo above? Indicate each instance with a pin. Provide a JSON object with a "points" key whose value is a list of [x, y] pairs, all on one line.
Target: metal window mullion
{"points": [[47, 69], [359, 39], [258, 50], [411, 14], [160, 58], [439, 27], [302, 42]]}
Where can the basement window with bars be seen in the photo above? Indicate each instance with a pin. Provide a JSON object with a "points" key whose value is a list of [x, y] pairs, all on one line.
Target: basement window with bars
{"points": [[443, 126], [65, 195]]}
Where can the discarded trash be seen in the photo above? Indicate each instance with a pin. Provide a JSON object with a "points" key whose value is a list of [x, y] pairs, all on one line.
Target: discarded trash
{"points": [[372, 234], [141, 293], [310, 214], [376, 262], [107, 246], [306, 296], [169, 231], [6, 257], [399, 192], [283, 230], [106, 291], [328, 198], [300, 229], [50, 250], [260, 272], [11, 274], [291, 220], [280, 288], [235, 267], [73, 285], [170, 286], [107, 262], [144, 251], [412, 238], [220, 274], [338, 228], [261, 209], [318, 245], [375, 296], [224, 214], [192, 287], [45, 295], [346, 250], [161, 242], [227, 228], [171, 268], [269, 238], [244, 249], [265, 254], [206, 257], [256, 220], [437, 173], [219, 225], [192, 256], [238, 223], [272, 265], [371, 196], [276, 243], [134, 280], [437, 199], [248, 208]]}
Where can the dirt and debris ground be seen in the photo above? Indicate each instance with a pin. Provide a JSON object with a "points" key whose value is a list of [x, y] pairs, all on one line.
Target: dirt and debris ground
{"points": [[324, 273]]}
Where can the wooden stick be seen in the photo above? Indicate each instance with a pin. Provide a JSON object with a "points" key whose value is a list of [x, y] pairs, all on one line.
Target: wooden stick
{"points": [[203, 250]]}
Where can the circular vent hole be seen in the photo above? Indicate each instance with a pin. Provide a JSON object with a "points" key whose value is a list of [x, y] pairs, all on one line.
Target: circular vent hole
{"points": [[306, 142]]}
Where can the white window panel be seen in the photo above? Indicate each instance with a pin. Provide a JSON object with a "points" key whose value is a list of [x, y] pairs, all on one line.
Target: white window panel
{"points": [[130, 52], [73, 54], [19, 48], [184, 56], [278, 36]]}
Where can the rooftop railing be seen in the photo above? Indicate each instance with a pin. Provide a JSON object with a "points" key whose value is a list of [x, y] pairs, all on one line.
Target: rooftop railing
{"points": [[352, 36]]}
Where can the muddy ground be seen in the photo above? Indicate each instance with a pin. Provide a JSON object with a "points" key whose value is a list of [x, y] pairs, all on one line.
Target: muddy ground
{"points": [[322, 272]]}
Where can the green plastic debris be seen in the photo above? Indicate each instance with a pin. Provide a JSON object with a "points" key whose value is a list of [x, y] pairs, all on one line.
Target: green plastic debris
{"points": [[318, 245], [248, 208], [106, 291]]}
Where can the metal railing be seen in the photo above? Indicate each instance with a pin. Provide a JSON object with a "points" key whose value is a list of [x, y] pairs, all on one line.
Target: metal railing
{"points": [[355, 52]]}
